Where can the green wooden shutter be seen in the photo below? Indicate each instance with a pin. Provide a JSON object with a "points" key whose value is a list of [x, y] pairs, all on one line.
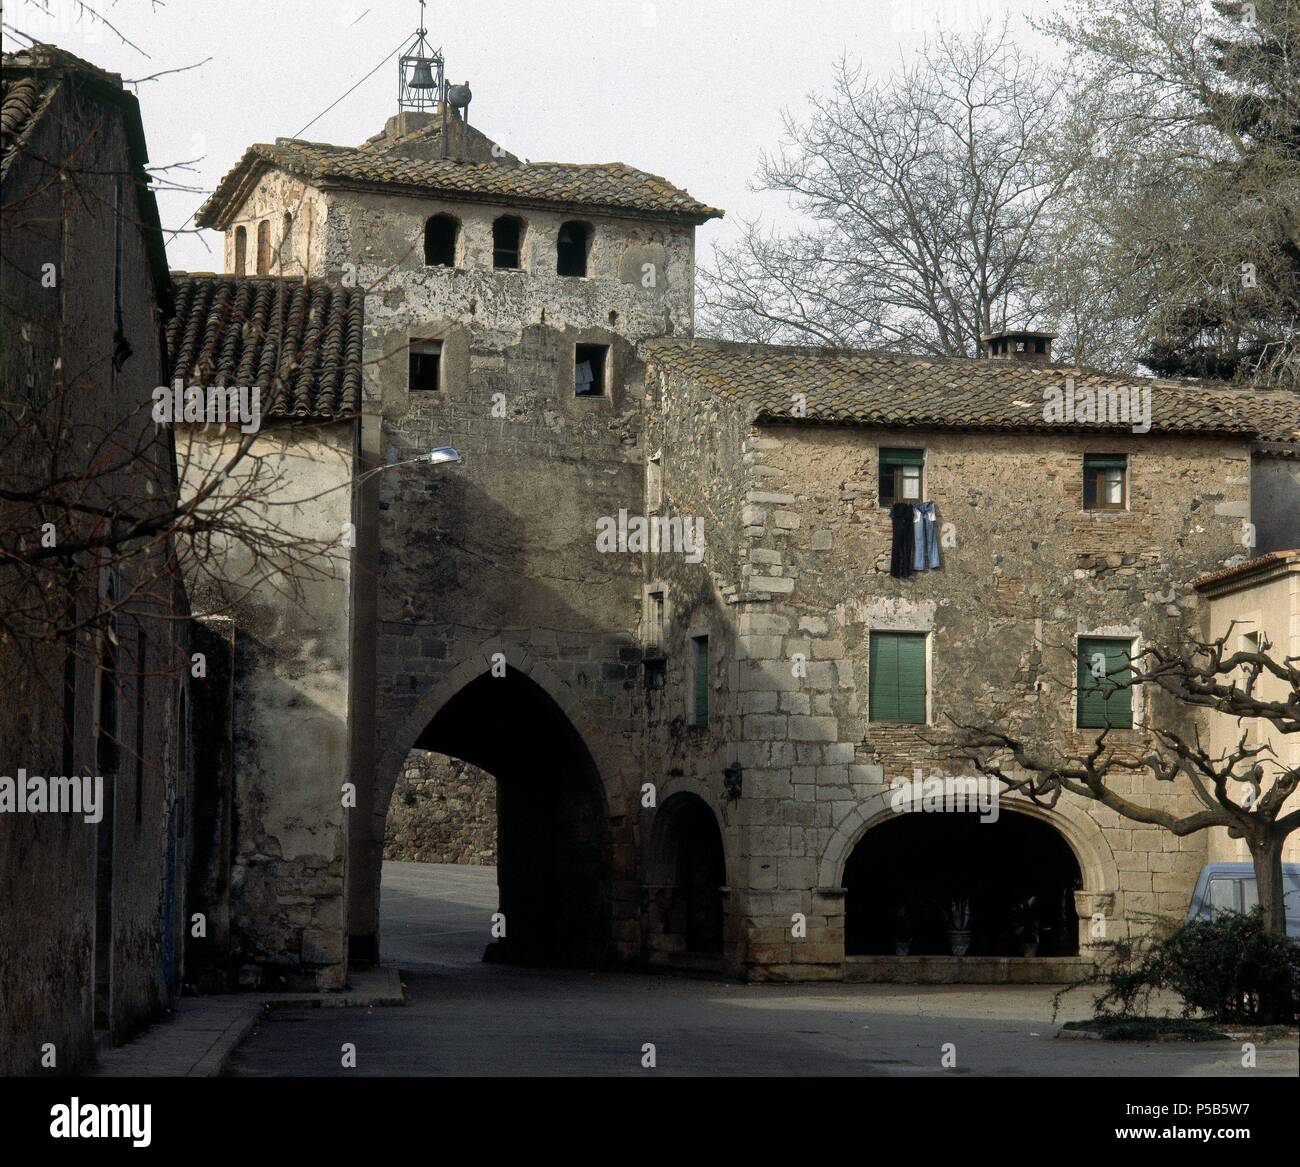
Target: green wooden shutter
{"points": [[896, 683], [1100, 703], [911, 679], [890, 456], [1105, 461], [701, 679]]}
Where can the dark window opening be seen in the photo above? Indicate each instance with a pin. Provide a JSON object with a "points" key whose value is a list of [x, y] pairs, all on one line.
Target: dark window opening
{"points": [[571, 249], [241, 251], [425, 372], [700, 677], [507, 242], [440, 236], [589, 362], [263, 247], [900, 475], [1105, 482]]}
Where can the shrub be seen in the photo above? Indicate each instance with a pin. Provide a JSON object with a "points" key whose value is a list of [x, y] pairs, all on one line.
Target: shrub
{"points": [[1227, 968]]}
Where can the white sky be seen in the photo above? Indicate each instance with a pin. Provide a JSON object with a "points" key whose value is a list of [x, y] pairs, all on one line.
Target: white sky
{"points": [[688, 89]]}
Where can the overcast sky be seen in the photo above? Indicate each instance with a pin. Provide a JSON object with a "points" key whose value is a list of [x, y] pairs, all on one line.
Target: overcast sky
{"points": [[688, 89]]}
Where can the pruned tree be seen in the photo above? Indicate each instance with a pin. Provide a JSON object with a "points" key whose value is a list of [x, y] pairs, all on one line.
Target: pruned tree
{"points": [[926, 196], [1243, 789]]}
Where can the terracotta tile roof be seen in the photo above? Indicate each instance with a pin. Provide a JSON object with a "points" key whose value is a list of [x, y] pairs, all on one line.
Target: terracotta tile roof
{"points": [[864, 387], [22, 101], [611, 186], [1248, 567], [299, 342]]}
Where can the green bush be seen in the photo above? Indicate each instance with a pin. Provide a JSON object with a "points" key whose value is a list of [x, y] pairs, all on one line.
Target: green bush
{"points": [[1226, 968]]}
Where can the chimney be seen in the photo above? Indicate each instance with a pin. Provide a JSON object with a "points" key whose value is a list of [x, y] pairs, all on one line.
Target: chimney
{"points": [[1019, 345]]}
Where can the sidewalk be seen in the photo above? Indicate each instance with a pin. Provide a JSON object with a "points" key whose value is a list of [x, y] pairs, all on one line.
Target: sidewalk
{"points": [[203, 1032]]}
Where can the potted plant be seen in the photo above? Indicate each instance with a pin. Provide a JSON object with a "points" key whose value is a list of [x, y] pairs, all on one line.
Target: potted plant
{"points": [[1025, 925], [958, 913]]}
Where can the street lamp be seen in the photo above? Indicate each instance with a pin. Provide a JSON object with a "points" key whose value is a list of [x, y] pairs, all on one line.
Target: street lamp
{"points": [[438, 456]]}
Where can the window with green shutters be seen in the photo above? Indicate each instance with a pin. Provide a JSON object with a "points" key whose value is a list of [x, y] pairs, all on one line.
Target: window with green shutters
{"points": [[897, 677], [900, 475], [1105, 694], [700, 680], [1105, 482]]}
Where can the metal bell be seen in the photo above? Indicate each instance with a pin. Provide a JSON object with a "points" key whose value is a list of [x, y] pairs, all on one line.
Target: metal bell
{"points": [[422, 77]]}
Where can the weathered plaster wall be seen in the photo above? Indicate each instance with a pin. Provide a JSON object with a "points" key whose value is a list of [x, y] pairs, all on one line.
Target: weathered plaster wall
{"points": [[292, 691], [1270, 608], [302, 248]]}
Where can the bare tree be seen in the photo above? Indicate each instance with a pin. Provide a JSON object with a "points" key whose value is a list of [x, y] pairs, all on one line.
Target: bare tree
{"points": [[1242, 789], [926, 195], [1181, 240]]}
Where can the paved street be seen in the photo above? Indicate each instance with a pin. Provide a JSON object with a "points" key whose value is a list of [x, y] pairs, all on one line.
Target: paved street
{"points": [[466, 1017]]}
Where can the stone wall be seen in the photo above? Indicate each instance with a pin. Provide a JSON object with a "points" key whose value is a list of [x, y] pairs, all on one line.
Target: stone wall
{"points": [[443, 811], [1026, 573]]}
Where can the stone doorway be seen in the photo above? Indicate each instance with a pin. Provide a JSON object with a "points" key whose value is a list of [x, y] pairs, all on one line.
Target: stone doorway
{"points": [[551, 849], [909, 878], [686, 894]]}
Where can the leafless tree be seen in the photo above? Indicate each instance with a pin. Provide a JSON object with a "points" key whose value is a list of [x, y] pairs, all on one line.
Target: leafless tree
{"points": [[926, 196], [1243, 788]]}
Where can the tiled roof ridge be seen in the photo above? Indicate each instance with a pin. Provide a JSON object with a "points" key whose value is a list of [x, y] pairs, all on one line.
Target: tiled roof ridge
{"points": [[1247, 567]]}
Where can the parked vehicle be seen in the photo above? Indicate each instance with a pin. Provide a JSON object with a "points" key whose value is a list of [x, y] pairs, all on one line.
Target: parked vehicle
{"points": [[1231, 887]]}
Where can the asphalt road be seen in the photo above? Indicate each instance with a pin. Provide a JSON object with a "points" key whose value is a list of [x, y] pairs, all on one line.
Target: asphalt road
{"points": [[468, 1018]]}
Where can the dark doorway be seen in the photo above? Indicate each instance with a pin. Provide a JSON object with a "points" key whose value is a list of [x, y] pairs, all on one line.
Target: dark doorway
{"points": [[691, 861], [552, 846], [910, 875]]}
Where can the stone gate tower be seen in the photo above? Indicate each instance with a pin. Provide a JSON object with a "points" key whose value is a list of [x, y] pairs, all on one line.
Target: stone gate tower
{"points": [[504, 303]]}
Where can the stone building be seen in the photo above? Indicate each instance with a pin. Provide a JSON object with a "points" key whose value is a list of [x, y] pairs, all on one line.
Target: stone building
{"points": [[94, 652], [692, 747]]}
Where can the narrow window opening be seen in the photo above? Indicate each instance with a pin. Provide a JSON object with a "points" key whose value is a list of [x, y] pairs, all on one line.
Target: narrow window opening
{"points": [[571, 249], [241, 251], [441, 234], [425, 371], [263, 247], [700, 676], [589, 368], [507, 240]]}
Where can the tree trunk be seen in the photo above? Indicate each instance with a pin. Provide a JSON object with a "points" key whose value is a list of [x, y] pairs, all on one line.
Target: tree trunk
{"points": [[1266, 855]]}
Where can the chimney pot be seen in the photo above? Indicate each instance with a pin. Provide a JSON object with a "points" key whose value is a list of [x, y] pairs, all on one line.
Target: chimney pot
{"points": [[1019, 344]]}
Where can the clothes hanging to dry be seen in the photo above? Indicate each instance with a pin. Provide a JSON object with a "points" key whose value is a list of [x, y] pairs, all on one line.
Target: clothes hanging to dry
{"points": [[915, 541], [900, 555]]}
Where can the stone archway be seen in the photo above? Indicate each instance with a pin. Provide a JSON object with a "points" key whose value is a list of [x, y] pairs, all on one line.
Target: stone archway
{"points": [[553, 863], [1098, 869], [685, 904]]}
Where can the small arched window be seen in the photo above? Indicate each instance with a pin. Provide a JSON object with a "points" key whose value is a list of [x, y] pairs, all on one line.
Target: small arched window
{"points": [[441, 234], [571, 249], [241, 251], [507, 242], [263, 247]]}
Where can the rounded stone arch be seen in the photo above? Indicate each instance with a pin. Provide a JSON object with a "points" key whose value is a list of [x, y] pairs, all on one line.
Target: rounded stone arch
{"points": [[686, 879], [1078, 828], [400, 741], [677, 794]]}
